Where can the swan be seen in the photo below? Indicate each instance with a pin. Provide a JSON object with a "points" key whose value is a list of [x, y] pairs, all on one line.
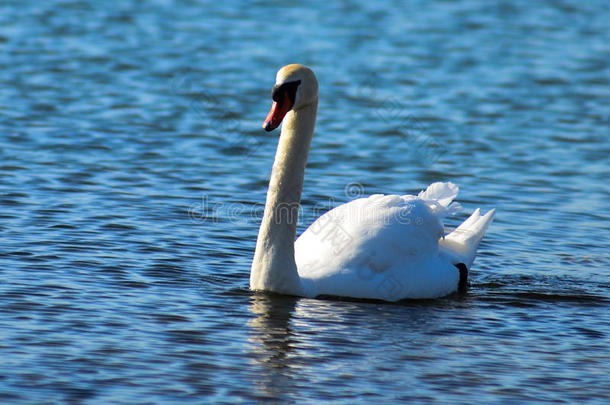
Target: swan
{"points": [[387, 247]]}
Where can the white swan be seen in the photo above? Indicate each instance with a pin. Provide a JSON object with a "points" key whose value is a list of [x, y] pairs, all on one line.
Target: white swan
{"points": [[385, 247]]}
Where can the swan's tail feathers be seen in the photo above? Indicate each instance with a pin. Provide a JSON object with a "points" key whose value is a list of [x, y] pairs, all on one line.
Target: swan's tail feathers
{"points": [[464, 240], [439, 197]]}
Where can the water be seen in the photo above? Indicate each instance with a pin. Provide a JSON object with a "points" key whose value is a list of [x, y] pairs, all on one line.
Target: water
{"points": [[133, 170]]}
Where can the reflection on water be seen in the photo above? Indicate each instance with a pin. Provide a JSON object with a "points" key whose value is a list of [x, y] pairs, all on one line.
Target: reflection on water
{"points": [[461, 345], [272, 343]]}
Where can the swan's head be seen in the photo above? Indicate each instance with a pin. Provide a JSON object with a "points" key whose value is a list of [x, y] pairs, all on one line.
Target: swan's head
{"points": [[295, 87]]}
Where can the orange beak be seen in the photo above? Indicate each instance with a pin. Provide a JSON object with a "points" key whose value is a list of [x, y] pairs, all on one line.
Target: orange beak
{"points": [[277, 113]]}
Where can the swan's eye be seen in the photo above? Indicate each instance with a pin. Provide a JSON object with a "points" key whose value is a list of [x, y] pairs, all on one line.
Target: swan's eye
{"points": [[289, 88]]}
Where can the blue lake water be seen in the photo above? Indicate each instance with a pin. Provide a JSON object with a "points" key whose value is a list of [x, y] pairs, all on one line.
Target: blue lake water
{"points": [[133, 171]]}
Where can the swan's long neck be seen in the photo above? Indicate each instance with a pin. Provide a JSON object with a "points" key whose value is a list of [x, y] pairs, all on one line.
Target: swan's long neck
{"points": [[273, 267]]}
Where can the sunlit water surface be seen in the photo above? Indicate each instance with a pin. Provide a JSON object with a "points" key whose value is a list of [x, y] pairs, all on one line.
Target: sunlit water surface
{"points": [[133, 170]]}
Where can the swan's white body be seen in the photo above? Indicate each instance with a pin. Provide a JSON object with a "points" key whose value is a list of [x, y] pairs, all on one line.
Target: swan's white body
{"points": [[386, 247]]}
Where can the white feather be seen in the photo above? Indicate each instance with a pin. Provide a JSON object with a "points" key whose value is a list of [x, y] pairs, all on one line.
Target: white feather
{"points": [[384, 247]]}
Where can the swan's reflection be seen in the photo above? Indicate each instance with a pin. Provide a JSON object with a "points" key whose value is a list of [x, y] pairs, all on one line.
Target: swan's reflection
{"points": [[281, 335], [271, 336], [295, 340]]}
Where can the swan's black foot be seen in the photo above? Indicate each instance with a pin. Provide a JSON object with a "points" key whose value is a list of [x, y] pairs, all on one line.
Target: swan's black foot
{"points": [[463, 284]]}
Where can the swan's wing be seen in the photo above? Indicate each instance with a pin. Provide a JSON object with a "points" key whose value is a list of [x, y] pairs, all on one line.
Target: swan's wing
{"points": [[383, 246], [439, 197]]}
